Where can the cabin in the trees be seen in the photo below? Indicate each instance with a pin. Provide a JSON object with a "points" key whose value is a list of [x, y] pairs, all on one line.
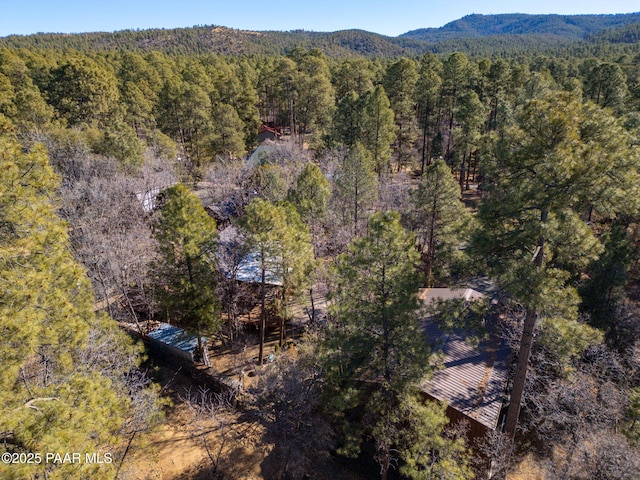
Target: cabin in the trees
{"points": [[244, 269], [473, 377], [243, 266], [266, 132]]}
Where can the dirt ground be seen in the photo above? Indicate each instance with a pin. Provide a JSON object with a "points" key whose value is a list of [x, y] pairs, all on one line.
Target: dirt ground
{"points": [[215, 443], [190, 443], [527, 469], [239, 361], [219, 442]]}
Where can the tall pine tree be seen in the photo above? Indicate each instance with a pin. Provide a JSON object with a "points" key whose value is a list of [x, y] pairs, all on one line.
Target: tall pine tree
{"points": [[374, 353], [187, 268], [60, 390], [439, 217], [562, 160], [356, 185]]}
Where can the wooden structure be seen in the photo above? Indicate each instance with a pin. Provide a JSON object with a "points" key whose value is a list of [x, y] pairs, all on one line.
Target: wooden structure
{"points": [[223, 212], [244, 268], [473, 377], [174, 341], [266, 132]]}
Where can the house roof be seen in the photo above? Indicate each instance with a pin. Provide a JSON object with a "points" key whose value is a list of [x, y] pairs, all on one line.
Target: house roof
{"points": [[223, 211], [430, 295], [175, 337], [260, 153], [247, 268], [149, 197], [266, 128], [249, 271], [473, 378]]}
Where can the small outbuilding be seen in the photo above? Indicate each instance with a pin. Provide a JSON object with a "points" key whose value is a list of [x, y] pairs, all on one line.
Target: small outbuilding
{"points": [[174, 341], [223, 212]]}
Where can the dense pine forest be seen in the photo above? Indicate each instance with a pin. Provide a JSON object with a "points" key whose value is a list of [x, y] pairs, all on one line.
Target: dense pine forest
{"points": [[136, 181]]}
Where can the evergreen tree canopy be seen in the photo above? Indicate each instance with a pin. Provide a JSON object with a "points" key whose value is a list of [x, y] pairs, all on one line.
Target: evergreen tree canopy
{"points": [[84, 92], [378, 128], [356, 185], [374, 353], [562, 159], [60, 390], [438, 216], [312, 193], [187, 268], [282, 243]]}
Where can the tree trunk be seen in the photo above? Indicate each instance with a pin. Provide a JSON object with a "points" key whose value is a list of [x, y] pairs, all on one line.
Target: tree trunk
{"points": [[425, 140], [283, 314], [385, 328], [384, 473], [451, 122], [431, 245], [463, 168], [355, 211], [204, 352], [124, 455], [263, 317], [313, 306], [526, 342]]}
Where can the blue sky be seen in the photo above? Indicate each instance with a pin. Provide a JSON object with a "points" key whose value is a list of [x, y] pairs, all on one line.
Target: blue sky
{"points": [[386, 17]]}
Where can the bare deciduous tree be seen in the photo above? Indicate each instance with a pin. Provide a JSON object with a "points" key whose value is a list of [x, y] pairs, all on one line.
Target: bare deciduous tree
{"points": [[287, 401], [106, 208]]}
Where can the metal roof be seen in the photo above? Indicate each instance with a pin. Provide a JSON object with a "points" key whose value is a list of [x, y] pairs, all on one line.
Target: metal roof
{"points": [[175, 337], [473, 377], [250, 271], [248, 268], [260, 153]]}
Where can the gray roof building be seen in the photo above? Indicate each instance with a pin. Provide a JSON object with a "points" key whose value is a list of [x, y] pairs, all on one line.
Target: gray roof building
{"points": [[175, 341], [473, 377], [246, 268]]}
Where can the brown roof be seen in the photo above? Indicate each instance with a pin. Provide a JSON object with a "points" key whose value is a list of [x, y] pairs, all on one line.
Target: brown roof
{"points": [[474, 377], [266, 128]]}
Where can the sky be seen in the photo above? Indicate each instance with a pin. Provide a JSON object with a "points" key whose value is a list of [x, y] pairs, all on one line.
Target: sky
{"points": [[390, 17]]}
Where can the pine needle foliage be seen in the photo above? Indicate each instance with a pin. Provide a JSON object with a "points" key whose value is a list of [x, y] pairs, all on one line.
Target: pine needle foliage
{"points": [[374, 354]]}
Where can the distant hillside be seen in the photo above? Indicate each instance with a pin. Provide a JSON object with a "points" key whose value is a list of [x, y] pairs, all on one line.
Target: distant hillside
{"points": [[625, 34], [569, 27], [473, 34], [216, 39]]}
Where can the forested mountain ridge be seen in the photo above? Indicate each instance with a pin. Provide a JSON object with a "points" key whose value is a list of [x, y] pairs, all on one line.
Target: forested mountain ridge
{"points": [[568, 27], [223, 40], [626, 34], [475, 34]]}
